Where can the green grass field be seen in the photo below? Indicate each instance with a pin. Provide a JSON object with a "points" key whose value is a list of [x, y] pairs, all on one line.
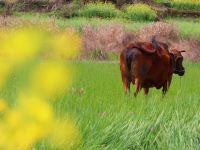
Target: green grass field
{"points": [[109, 120]]}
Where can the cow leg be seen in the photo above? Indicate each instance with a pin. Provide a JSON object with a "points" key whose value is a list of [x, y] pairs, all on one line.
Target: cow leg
{"points": [[124, 75], [164, 91], [126, 84], [165, 88], [137, 87], [146, 91]]}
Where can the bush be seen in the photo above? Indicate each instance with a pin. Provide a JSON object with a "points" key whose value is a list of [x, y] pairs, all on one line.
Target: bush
{"points": [[98, 54], [140, 12], [69, 10], [104, 10], [107, 38], [186, 4], [162, 1]]}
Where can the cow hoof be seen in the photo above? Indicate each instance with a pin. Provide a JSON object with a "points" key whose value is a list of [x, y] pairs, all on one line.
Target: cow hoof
{"points": [[135, 94]]}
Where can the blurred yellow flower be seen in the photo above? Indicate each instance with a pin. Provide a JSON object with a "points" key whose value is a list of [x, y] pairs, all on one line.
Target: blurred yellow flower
{"points": [[13, 118], [64, 134], [21, 45], [28, 122], [32, 118], [4, 71], [51, 78], [67, 44], [36, 108], [3, 105]]}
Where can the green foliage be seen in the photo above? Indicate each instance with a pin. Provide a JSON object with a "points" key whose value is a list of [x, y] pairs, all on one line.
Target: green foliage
{"points": [[162, 1], [186, 4], [188, 27], [103, 10], [98, 54], [2, 9], [109, 120], [68, 11], [140, 12]]}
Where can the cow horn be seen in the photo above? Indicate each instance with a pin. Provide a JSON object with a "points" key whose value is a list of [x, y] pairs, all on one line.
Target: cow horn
{"points": [[154, 42], [182, 51]]}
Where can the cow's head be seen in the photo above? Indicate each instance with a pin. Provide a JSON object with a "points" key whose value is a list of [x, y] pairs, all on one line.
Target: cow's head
{"points": [[177, 61]]}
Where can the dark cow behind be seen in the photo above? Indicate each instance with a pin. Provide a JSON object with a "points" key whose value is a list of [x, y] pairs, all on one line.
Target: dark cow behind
{"points": [[149, 65]]}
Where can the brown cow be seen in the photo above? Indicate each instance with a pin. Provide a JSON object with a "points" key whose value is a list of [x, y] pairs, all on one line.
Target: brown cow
{"points": [[149, 65]]}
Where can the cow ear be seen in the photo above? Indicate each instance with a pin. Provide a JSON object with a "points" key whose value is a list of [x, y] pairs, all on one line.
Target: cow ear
{"points": [[172, 60]]}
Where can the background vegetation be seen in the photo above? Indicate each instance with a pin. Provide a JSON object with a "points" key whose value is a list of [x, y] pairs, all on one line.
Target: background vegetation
{"points": [[186, 4], [108, 119], [103, 10], [140, 12], [93, 106]]}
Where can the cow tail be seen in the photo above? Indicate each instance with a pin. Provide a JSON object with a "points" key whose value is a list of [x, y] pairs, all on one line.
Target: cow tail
{"points": [[126, 59], [129, 59], [124, 63]]}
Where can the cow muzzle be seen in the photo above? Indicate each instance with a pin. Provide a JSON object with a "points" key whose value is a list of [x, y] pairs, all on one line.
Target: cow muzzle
{"points": [[180, 72]]}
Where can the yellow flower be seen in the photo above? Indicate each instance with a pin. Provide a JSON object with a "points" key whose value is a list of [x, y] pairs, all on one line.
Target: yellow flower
{"points": [[13, 119], [3, 137], [51, 78], [21, 45], [3, 105], [36, 108], [31, 120], [67, 44], [4, 71], [64, 134]]}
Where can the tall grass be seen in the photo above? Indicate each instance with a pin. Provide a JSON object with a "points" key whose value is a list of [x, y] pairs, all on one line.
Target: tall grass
{"points": [[187, 26], [109, 120], [162, 1], [103, 10], [140, 12], [186, 4]]}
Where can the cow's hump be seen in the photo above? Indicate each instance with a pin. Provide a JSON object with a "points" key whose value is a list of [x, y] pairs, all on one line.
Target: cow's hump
{"points": [[143, 46]]}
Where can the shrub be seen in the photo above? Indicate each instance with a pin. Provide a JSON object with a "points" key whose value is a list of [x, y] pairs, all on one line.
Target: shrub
{"points": [[69, 10], [162, 1], [186, 4], [98, 54], [140, 12], [104, 37], [165, 32], [104, 10]]}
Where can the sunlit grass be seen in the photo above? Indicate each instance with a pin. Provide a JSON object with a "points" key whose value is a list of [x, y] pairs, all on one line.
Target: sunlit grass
{"points": [[188, 26], [186, 4], [108, 119]]}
